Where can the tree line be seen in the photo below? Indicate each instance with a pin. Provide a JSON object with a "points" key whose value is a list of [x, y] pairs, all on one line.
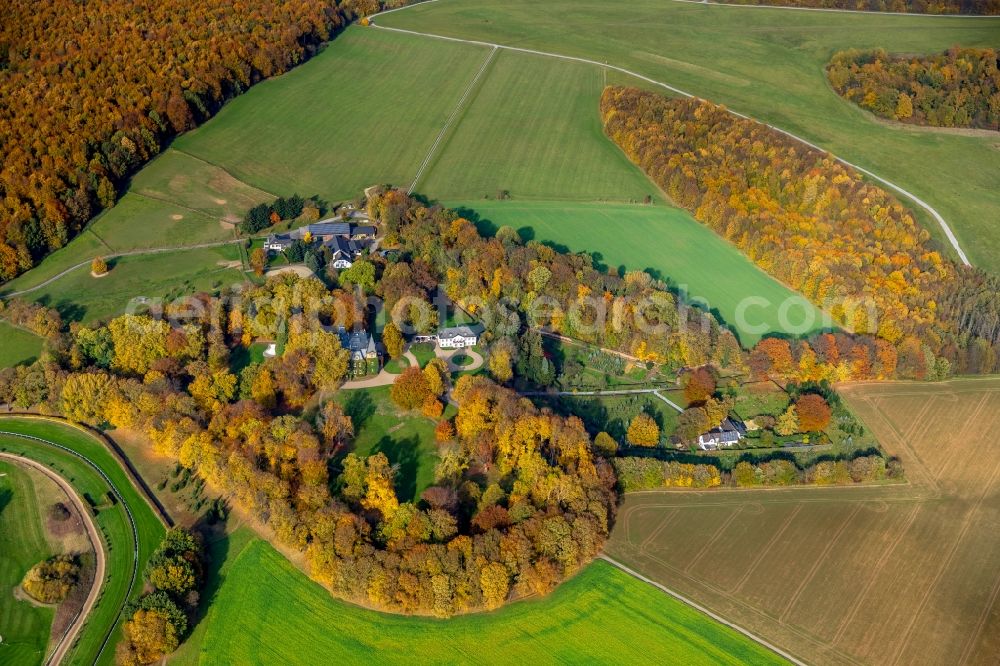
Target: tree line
{"points": [[818, 226], [89, 92], [651, 473], [972, 7], [957, 88]]}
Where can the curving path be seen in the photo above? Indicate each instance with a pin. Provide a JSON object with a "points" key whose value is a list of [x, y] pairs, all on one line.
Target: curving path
{"points": [[81, 620], [65, 641], [952, 239], [117, 255]]}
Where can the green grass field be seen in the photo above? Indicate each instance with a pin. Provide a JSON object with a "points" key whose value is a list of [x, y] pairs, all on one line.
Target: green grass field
{"points": [[111, 520], [768, 64], [25, 627], [364, 111], [669, 244], [266, 611], [406, 440], [19, 346], [168, 275], [533, 128]]}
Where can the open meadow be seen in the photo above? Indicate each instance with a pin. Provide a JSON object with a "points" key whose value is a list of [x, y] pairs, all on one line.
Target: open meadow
{"points": [[19, 346], [768, 64], [670, 245], [265, 611], [111, 519], [904, 574], [25, 626]]}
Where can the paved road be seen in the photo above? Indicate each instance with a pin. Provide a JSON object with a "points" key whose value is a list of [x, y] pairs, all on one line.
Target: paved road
{"points": [[914, 198], [65, 641]]}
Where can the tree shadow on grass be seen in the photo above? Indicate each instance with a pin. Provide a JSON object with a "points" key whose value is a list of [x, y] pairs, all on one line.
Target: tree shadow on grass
{"points": [[5, 496], [360, 407], [403, 454]]}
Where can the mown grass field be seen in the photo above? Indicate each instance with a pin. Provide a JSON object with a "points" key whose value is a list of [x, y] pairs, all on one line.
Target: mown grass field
{"points": [[533, 128], [364, 111], [19, 346], [407, 440], [111, 520], [669, 244], [25, 626], [266, 611], [905, 574], [768, 64], [168, 275]]}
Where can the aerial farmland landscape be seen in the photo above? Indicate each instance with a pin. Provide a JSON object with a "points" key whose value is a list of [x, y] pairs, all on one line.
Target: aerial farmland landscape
{"points": [[481, 331]]}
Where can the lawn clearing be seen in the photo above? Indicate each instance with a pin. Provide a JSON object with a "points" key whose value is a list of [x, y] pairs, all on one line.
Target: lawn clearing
{"points": [[407, 440], [266, 611], [423, 351], [768, 64], [669, 244], [24, 626], [111, 518], [19, 346], [867, 574], [166, 275]]}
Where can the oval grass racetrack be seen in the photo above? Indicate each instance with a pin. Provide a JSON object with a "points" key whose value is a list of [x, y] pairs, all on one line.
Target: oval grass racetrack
{"points": [[112, 520], [267, 612], [24, 626]]}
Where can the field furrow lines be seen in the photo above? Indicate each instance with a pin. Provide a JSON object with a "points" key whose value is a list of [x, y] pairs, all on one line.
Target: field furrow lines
{"points": [[875, 573], [807, 579], [945, 563], [715, 537], [766, 549]]}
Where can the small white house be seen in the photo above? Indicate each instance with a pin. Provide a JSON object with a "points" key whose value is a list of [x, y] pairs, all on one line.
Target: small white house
{"points": [[727, 434], [457, 337]]}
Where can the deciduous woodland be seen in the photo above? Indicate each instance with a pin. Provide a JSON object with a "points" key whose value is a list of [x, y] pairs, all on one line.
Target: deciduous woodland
{"points": [[522, 497], [972, 7], [90, 91], [817, 225], [958, 88]]}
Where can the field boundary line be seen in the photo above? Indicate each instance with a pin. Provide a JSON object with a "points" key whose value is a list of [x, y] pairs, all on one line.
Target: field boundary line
{"points": [[698, 607], [766, 549], [946, 564], [952, 239], [814, 569], [451, 119], [833, 10], [875, 573]]}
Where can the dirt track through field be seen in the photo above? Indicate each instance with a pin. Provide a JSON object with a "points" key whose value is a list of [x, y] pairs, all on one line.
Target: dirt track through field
{"points": [[65, 642]]}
